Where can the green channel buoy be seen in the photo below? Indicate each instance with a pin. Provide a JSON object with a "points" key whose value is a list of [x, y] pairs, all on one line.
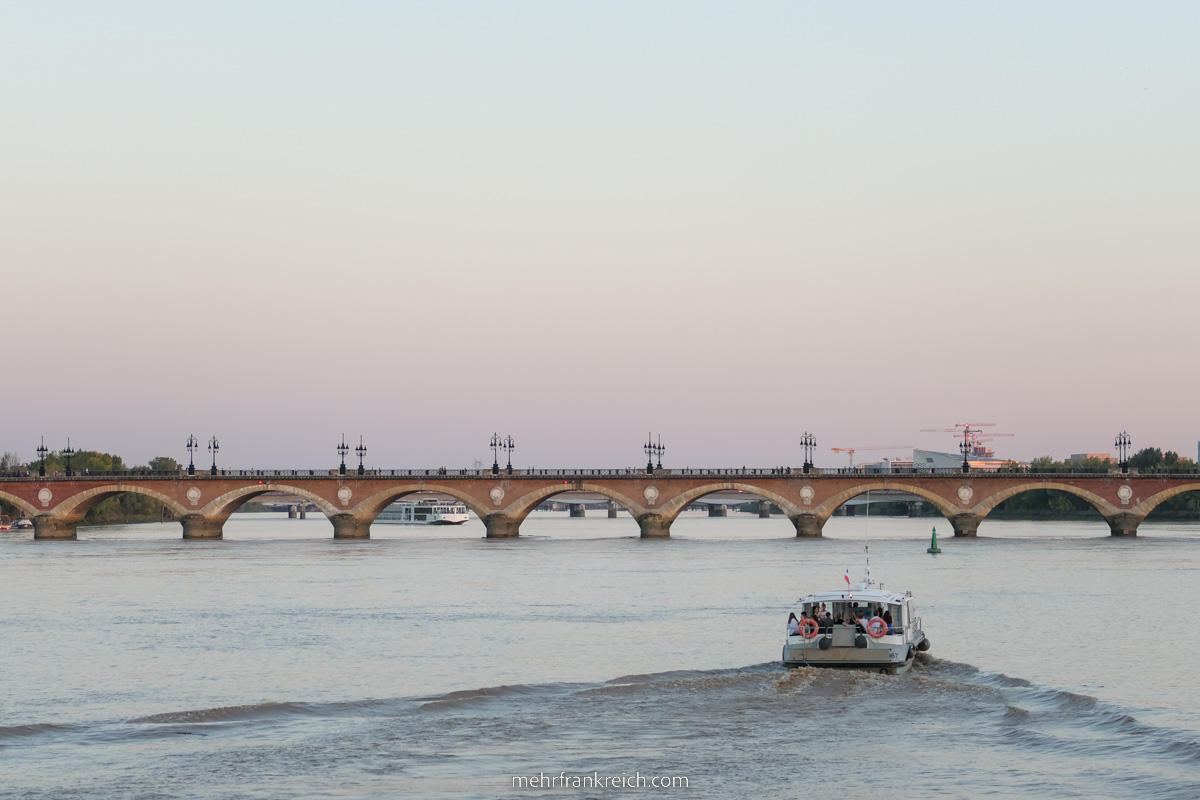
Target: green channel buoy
{"points": [[933, 548]]}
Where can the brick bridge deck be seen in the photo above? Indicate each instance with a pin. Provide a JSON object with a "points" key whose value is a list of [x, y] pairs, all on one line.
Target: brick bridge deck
{"points": [[202, 502]]}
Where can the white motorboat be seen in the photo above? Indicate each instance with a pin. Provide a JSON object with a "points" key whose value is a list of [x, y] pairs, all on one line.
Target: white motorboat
{"points": [[863, 627]]}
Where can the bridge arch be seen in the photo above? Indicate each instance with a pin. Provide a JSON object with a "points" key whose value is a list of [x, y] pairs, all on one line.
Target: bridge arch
{"points": [[370, 507], [676, 505], [988, 504], [25, 506], [1152, 502], [75, 507], [524, 505], [825, 510], [222, 506]]}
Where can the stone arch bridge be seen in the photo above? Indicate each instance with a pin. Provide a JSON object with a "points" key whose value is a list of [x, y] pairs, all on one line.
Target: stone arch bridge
{"points": [[203, 502]]}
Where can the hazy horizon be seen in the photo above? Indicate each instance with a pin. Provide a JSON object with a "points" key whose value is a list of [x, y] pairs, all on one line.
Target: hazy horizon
{"points": [[728, 224]]}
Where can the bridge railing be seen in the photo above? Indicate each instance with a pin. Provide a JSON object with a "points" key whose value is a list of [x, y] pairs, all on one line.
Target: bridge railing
{"points": [[731, 474]]}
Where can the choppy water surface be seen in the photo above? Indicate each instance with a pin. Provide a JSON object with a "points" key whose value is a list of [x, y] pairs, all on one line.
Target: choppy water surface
{"points": [[433, 663]]}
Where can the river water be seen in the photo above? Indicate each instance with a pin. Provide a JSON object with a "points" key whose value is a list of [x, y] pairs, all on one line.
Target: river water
{"points": [[429, 662]]}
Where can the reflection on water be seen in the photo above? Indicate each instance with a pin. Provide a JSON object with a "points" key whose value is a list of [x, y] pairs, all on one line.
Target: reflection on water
{"points": [[434, 663]]}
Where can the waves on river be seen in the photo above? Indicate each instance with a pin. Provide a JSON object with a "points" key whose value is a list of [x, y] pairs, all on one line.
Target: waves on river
{"points": [[733, 731]]}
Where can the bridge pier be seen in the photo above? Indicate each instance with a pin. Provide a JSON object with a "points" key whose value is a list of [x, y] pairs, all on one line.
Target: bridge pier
{"points": [[654, 527], [808, 526], [1123, 524], [578, 510], [198, 527], [966, 524], [612, 509], [348, 526], [48, 527], [718, 510], [764, 509], [502, 526]]}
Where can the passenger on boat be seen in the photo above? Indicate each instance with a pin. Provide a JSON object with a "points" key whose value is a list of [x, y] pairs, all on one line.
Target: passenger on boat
{"points": [[793, 624], [887, 617]]}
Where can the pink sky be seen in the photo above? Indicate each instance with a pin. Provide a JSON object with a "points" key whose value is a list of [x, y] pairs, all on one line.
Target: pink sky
{"points": [[725, 223]]}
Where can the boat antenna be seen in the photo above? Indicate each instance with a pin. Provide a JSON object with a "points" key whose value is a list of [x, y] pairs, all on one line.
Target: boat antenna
{"points": [[866, 547]]}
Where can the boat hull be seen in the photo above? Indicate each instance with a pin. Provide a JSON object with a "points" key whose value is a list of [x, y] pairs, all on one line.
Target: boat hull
{"points": [[888, 657]]}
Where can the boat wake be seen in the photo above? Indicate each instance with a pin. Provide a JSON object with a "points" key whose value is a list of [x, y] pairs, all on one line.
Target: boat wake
{"points": [[1018, 736]]}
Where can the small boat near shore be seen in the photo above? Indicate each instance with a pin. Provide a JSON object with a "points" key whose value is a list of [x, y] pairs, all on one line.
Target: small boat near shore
{"points": [[863, 627]]}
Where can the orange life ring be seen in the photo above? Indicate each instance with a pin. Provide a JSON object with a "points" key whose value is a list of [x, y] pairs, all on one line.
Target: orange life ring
{"points": [[872, 627], [809, 628]]}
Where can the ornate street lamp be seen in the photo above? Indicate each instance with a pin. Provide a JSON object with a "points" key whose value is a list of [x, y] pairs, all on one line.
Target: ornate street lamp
{"points": [[342, 449], [1122, 444], [508, 445], [496, 444], [652, 450], [362, 453], [68, 453], [213, 447], [42, 451], [965, 447], [808, 442], [193, 444]]}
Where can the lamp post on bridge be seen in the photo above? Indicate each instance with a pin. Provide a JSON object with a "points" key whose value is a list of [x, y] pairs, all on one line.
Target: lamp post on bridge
{"points": [[68, 453], [193, 444], [508, 445], [808, 442], [1122, 444], [342, 449], [42, 451], [213, 447], [496, 443], [652, 450], [362, 453], [965, 447]]}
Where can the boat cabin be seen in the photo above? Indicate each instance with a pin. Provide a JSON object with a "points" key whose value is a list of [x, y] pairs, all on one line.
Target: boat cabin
{"points": [[833, 610]]}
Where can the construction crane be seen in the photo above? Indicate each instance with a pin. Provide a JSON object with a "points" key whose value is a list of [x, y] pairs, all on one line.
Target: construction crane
{"points": [[973, 439], [850, 451]]}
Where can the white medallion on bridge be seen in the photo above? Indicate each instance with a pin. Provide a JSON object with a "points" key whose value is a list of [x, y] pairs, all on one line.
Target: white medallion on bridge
{"points": [[651, 494], [497, 494], [806, 495], [44, 496], [193, 495], [965, 494], [344, 495], [1125, 492]]}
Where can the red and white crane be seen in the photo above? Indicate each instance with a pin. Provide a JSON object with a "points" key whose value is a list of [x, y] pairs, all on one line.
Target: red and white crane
{"points": [[972, 438]]}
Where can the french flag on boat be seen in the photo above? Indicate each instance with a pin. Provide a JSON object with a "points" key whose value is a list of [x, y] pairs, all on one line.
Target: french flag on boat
{"points": [[847, 577]]}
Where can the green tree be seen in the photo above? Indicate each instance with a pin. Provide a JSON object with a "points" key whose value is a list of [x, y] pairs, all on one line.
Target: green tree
{"points": [[10, 462], [164, 464], [1148, 459]]}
